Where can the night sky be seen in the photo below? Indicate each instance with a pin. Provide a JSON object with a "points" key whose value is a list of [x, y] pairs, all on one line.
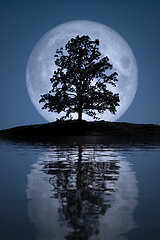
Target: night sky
{"points": [[23, 23]]}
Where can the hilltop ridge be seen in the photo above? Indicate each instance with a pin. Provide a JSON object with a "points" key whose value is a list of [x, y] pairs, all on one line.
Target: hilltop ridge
{"points": [[112, 130]]}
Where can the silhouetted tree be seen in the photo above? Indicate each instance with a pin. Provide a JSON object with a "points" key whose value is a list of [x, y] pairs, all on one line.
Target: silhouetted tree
{"points": [[79, 84]]}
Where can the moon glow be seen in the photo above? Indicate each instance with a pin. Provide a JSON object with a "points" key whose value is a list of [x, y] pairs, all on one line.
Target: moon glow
{"points": [[41, 66]]}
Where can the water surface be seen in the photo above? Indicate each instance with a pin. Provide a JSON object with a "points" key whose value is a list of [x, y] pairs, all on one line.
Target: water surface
{"points": [[79, 188]]}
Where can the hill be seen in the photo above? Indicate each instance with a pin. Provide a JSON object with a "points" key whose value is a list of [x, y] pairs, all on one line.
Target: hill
{"points": [[113, 131]]}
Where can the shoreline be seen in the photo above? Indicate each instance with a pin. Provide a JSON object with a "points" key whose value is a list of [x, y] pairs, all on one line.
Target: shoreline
{"points": [[113, 131]]}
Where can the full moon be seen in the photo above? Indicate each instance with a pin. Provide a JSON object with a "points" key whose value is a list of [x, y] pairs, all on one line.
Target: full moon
{"points": [[41, 65]]}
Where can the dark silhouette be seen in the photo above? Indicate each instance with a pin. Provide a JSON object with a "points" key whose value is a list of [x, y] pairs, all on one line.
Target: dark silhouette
{"points": [[79, 85], [83, 189], [113, 132]]}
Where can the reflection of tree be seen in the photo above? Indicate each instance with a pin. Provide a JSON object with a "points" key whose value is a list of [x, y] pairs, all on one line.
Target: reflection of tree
{"points": [[84, 189]]}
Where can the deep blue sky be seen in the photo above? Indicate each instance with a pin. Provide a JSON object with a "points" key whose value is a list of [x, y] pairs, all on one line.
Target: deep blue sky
{"points": [[22, 23]]}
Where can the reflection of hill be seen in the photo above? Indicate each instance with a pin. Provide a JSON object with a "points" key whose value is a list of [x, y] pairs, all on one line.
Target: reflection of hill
{"points": [[86, 184]]}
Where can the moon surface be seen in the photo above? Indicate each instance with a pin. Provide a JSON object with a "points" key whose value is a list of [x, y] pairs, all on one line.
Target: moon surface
{"points": [[41, 66]]}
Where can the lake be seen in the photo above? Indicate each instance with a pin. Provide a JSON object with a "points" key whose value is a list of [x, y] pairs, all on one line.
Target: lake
{"points": [[79, 188]]}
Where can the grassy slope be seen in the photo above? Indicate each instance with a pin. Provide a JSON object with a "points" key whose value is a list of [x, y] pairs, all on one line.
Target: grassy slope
{"points": [[112, 130]]}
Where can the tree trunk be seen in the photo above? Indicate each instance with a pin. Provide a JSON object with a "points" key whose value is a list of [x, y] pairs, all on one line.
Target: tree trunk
{"points": [[80, 115]]}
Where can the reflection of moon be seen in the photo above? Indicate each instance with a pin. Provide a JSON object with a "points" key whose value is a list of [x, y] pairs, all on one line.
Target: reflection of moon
{"points": [[41, 65], [43, 208]]}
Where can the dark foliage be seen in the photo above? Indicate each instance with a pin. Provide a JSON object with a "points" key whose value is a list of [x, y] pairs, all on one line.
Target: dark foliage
{"points": [[79, 85]]}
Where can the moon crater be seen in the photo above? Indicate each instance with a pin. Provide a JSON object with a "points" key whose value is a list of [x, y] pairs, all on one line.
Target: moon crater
{"points": [[125, 62]]}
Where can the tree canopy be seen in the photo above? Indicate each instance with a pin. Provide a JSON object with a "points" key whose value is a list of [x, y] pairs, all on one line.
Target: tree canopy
{"points": [[79, 84]]}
